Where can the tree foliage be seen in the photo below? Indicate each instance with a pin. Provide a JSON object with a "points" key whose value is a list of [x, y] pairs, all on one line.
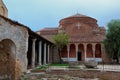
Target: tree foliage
{"points": [[112, 41], [60, 40]]}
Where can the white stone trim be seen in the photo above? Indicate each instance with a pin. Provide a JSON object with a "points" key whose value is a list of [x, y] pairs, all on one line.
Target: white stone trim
{"points": [[70, 59], [96, 59]]}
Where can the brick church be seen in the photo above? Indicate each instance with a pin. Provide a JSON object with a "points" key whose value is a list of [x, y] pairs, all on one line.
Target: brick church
{"points": [[21, 48], [85, 38]]}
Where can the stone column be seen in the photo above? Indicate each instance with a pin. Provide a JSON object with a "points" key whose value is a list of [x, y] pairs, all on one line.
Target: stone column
{"points": [[33, 53], [76, 46], [68, 50], [85, 50], [93, 49], [45, 53], [48, 53], [40, 53]]}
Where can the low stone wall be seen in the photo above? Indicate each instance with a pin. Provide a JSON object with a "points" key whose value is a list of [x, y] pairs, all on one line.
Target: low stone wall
{"points": [[109, 75]]}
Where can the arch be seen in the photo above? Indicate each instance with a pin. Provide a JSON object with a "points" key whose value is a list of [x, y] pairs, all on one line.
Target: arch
{"points": [[89, 51], [72, 51], [81, 49], [98, 50], [64, 52], [7, 58]]}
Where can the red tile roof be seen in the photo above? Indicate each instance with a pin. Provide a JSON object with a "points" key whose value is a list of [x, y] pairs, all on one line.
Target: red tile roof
{"points": [[96, 38]]}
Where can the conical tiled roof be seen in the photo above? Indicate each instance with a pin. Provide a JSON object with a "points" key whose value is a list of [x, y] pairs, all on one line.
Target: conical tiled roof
{"points": [[78, 15], [75, 16]]}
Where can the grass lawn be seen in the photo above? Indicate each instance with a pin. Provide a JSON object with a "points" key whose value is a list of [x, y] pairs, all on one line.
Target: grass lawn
{"points": [[58, 64], [44, 67]]}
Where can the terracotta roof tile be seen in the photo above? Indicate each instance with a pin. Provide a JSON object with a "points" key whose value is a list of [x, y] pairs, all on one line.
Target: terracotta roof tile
{"points": [[78, 15], [87, 39]]}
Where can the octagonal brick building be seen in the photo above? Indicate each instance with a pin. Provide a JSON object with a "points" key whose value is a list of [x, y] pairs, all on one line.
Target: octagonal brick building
{"points": [[85, 38]]}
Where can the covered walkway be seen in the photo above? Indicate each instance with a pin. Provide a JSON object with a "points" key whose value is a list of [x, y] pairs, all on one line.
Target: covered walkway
{"points": [[39, 50]]}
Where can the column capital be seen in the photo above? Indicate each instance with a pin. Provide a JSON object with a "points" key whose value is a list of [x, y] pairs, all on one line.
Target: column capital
{"points": [[85, 44], [94, 44], [45, 43], [40, 41], [68, 47], [76, 44], [34, 39], [48, 45]]}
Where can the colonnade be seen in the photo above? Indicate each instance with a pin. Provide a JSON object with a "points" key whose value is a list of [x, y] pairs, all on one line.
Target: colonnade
{"points": [[43, 51], [85, 47]]}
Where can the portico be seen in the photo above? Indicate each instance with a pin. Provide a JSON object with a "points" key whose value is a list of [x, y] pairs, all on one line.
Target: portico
{"points": [[39, 51], [83, 52]]}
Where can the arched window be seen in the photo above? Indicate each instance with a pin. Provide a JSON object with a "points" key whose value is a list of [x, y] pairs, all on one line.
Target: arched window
{"points": [[72, 51], [89, 51], [64, 51], [98, 50]]}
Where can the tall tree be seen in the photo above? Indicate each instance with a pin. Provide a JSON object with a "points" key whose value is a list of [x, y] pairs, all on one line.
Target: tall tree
{"points": [[112, 41], [60, 40]]}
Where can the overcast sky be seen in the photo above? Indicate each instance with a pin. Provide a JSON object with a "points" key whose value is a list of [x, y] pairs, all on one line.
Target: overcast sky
{"points": [[38, 14]]}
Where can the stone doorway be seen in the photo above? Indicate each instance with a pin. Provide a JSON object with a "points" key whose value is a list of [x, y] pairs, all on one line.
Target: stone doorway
{"points": [[79, 56], [7, 59]]}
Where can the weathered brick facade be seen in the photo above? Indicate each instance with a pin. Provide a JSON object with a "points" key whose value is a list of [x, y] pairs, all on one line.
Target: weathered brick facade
{"points": [[85, 38], [13, 48], [3, 9]]}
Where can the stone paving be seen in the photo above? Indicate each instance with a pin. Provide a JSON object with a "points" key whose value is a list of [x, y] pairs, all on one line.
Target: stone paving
{"points": [[109, 67], [44, 76], [99, 67], [39, 76], [72, 78]]}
